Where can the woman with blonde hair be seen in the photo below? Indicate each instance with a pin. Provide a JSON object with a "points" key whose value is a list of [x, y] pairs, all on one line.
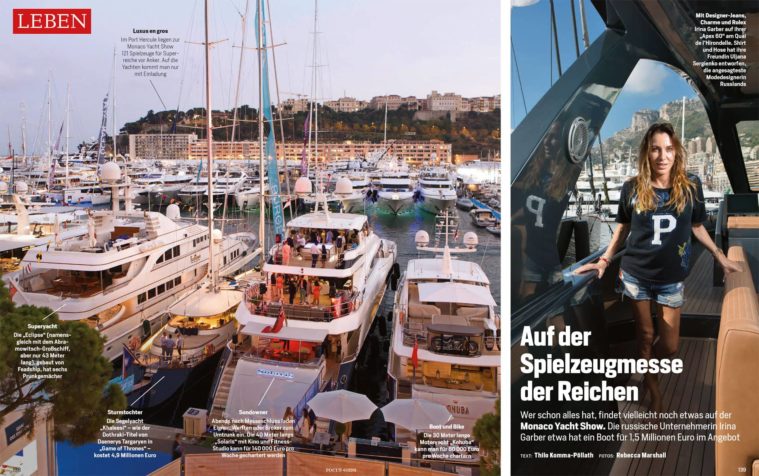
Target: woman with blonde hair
{"points": [[659, 209]]}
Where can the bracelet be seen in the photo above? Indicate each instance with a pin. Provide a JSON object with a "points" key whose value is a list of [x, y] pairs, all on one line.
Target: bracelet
{"points": [[604, 259]]}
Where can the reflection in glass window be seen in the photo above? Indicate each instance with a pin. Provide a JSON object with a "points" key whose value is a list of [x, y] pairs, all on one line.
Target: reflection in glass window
{"points": [[748, 134]]}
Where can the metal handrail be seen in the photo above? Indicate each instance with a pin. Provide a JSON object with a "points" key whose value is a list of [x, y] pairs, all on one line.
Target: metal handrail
{"points": [[305, 311]]}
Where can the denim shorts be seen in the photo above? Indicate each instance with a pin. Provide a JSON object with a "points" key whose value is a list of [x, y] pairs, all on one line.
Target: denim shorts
{"points": [[670, 295]]}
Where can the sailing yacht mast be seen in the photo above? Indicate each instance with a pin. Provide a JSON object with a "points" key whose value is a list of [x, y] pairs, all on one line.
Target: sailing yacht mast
{"points": [[209, 140], [315, 104], [49, 125], [113, 106], [68, 93], [261, 222]]}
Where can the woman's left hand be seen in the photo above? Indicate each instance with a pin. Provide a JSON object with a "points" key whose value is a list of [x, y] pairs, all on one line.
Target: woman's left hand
{"points": [[728, 265]]}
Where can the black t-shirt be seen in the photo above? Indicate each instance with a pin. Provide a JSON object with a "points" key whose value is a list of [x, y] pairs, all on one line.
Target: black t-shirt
{"points": [[659, 246]]}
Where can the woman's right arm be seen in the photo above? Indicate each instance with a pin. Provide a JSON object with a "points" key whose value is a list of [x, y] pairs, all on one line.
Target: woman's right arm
{"points": [[619, 237]]}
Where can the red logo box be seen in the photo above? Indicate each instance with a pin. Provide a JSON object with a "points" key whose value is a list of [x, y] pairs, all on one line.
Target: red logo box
{"points": [[47, 21]]}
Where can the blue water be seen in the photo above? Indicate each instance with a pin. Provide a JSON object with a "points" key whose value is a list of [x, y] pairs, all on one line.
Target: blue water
{"points": [[79, 461]]}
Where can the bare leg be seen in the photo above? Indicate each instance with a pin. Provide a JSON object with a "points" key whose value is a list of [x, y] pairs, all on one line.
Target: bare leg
{"points": [[644, 336], [669, 332]]}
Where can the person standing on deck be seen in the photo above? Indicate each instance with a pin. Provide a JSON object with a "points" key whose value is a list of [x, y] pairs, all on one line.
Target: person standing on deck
{"points": [[659, 209], [291, 289], [316, 291], [179, 344], [164, 346], [303, 287], [314, 255], [169, 348], [286, 251], [280, 286]]}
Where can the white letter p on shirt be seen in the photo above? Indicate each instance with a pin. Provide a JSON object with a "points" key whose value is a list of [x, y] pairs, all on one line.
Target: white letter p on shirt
{"points": [[659, 228]]}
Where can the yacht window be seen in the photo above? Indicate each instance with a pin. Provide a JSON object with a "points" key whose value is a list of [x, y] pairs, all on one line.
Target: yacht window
{"points": [[161, 288], [141, 298], [177, 280], [176, 251], [151, 293], [160, 259]]}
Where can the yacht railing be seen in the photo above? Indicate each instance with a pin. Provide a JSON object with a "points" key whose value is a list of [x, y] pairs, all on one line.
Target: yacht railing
{"points": [[252, 356], [339, 307]]}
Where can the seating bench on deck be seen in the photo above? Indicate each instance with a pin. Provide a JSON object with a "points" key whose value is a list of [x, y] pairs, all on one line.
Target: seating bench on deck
{"points": [[737, 374]]}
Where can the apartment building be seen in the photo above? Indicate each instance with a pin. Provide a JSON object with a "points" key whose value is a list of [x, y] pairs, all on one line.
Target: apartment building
{"points": [[161, 146], [346, 104]]}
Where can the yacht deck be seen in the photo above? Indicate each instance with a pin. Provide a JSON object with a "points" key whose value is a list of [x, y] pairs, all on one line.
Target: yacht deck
{"points": [[691, 391], [701, 298]]}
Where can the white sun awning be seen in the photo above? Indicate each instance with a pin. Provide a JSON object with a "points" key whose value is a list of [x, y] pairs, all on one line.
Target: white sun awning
{"points": [[455, 292], [286, 333], [260, 387]]}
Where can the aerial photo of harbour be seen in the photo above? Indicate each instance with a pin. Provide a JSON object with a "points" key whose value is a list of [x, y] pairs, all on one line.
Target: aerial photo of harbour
{"points": [[250, 236]]}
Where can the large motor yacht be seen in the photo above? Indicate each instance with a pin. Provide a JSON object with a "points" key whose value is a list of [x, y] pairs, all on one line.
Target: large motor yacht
{"points": [[291, 347], [396, 194], [124, 273], [445, 319], [437, 190]]}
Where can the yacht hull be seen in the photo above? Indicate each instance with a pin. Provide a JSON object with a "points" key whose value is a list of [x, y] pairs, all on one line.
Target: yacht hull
{"points": [[396, 203], [436, 205]]}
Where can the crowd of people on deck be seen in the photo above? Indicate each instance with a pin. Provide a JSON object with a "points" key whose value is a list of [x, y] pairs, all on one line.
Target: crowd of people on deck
{"points": [[301, 290], [319, 243]]}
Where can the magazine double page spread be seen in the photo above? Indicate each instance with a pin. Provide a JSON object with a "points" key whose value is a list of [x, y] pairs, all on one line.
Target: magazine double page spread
{"points": [[264, 237], [250, 236]]}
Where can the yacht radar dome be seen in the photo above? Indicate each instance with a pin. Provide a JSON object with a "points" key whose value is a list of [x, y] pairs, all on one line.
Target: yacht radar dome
{"points": [[172, 211], [470, 239], [303, 186], [422, 238], [343, 186], [21, 188], [110, 172], [216, 235]]}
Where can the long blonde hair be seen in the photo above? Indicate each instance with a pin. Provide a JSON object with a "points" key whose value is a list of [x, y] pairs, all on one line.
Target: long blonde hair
{"points": [[683, 189]]}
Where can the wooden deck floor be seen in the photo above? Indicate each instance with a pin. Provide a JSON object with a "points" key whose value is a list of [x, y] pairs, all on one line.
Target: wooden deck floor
{"points": [[701, 298], [690, 391]]}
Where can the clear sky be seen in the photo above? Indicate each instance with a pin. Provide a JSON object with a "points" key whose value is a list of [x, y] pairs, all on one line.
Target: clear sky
{"points": [[651, 84], [366, 48]]}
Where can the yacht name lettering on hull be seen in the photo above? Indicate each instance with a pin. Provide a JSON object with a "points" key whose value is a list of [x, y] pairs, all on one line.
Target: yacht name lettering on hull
{"points": [[275, 373], [458, 409]]}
